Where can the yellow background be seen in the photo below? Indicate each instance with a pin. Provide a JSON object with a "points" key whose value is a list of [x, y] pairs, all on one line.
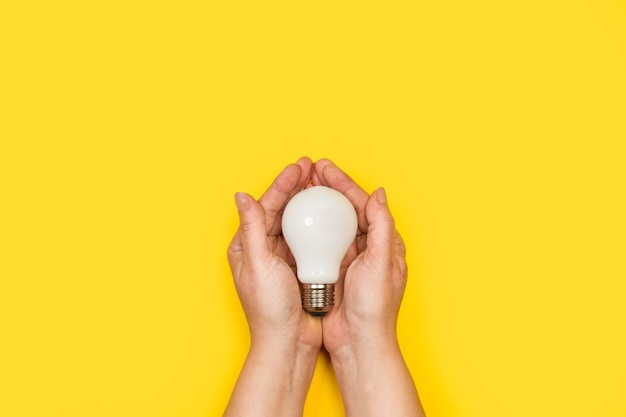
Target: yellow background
{"points": [[498, 129]]}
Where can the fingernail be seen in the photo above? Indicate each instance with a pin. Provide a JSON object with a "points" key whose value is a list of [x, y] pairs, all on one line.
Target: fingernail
{"points": [[242, 201], [381, 195]]}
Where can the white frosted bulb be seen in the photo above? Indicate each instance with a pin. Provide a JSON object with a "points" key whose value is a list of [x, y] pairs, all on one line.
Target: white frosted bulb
{"points": [[319, 224]]}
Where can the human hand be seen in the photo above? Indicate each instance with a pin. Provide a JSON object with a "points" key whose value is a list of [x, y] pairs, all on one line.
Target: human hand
{"points": [[374, 271], [264, 269], [359, 332], [285, 341]]}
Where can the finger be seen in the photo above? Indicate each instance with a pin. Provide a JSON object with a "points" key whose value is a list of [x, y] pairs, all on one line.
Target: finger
{"points": [[304, 182], [330, 175], [235, 253], [400, 256], [253, 239], [291, 180], [381, 234], [361, 243], [347, 260], [400, 246], [306, 164], [315, 178], [275, 198]]}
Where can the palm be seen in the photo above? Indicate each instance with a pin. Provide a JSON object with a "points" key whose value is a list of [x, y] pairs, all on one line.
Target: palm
{"points": [[288, 298], [336, 323]]}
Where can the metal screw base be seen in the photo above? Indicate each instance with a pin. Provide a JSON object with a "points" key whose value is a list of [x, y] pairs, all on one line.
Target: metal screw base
{"points": [[318, 299]]}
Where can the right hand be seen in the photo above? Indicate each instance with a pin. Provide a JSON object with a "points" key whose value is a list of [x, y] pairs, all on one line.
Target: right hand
{"points": [[360, 331], [369, 292]]}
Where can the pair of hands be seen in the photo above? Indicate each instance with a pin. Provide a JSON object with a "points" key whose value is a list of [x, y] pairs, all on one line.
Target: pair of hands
{"points": [[372, 278], [359, 332]]}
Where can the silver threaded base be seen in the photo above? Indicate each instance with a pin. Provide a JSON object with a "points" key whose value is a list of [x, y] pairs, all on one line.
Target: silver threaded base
{"points": [[318, 299]]}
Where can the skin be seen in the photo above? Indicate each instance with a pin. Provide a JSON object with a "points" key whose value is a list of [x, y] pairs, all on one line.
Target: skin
{"points": [[359, 332]]}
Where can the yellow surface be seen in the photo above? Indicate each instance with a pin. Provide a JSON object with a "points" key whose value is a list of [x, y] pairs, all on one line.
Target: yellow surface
{"points": [[498, 129]]}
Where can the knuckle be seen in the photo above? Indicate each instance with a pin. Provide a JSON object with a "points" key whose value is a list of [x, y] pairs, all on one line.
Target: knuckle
{"points": [[232, 246], [235, 248], [404, 269], [399, 241], [247, 226]]}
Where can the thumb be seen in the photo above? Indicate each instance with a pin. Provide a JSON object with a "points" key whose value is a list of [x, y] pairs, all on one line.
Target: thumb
{"points": [[381, 227], [251, 227]]}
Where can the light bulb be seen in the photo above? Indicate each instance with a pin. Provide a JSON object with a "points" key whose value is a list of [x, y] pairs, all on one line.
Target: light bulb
{"points": [[319, 224]]}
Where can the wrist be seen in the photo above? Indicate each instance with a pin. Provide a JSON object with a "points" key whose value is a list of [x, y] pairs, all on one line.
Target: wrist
{"points": [[274, 380], [365, 352], [363, 342], [374, 380], [279, 352]]}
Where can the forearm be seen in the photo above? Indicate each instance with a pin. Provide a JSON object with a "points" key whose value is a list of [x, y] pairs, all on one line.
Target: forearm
{"points": [[375, 381], [273, 382]]}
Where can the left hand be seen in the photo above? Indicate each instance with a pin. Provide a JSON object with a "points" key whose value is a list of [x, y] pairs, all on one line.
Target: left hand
{"points": [[263, 268]]}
